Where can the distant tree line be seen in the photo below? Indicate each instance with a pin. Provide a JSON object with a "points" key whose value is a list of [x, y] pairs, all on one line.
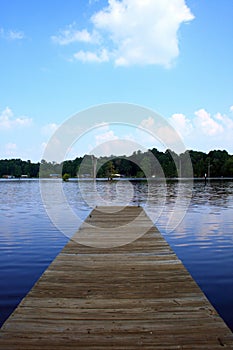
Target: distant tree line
{"points": [[216, 163], [18, 167]]}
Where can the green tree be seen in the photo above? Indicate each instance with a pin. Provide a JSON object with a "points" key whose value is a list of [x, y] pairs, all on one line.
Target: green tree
{"points": [[66, 177]]}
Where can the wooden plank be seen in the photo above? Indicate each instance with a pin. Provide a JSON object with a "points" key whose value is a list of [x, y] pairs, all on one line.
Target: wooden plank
{"points": [[135, 296]]}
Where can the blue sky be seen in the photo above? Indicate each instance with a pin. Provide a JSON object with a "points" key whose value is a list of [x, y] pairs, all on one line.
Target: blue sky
{"points": [[60, 57]]}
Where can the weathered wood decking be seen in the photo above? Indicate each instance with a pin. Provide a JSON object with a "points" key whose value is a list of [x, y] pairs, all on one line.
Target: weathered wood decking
{"points": [[138, 296]]}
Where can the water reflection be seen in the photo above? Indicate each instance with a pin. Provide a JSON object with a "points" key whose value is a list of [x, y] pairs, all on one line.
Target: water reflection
{"points": [[216, 193]]}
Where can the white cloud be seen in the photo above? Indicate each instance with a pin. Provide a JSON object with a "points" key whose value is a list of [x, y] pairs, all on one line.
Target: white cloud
{"points": [[204, 131], [219, 117], [88, 56], [200, 131], [11, 34], [206, 124], [105, 137], [227, 122], [202, 124], [231, 108], [71, 35], [143, 32], [132, 32], [181, 123], [7, 120]]}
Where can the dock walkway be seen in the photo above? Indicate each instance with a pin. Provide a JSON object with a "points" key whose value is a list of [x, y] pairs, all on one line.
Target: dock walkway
{"points": [[136, 296]]}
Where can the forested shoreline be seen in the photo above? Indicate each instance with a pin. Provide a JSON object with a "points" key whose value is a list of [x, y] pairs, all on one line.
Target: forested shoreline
{"points": [[216, 163]]}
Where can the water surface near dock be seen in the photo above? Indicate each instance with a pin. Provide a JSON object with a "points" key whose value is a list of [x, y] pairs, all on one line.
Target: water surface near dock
{"points": [[203, 240], [132, 296]]}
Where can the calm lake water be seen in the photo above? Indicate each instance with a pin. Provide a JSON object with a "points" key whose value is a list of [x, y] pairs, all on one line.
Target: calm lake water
{"points": [[203, 240]]}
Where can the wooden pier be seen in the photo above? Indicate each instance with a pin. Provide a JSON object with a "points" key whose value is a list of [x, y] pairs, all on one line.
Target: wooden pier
{"points": [[136, 296]]}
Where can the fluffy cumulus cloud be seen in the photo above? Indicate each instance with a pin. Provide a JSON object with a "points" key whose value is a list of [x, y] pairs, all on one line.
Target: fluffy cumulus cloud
{"points": [[8, 121], [199, 131], [182, 125], [132, 32], [204, 131], [207, 124]]}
